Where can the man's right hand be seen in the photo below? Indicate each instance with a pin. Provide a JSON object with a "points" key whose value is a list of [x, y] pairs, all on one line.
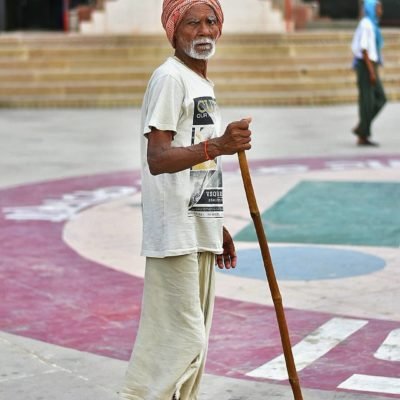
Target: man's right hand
{"points": [[237, 137], [372, 77]]}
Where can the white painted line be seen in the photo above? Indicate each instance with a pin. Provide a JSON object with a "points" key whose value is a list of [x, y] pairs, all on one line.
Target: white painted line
{"points": [[373, 384], [390, 348], [311, 348]]}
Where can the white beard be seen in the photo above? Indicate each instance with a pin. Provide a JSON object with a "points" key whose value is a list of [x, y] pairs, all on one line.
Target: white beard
{"points": [[201, 55]]}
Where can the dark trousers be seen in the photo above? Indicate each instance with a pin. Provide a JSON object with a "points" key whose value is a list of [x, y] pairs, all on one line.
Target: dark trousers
{"points": [[371, 98]]}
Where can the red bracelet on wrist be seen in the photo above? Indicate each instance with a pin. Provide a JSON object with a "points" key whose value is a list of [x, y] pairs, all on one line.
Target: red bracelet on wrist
{"points": [[208, 158]]}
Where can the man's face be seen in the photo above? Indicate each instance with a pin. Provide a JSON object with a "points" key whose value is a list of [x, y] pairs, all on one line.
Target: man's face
{"points": [[197, 33], [379, 10]]}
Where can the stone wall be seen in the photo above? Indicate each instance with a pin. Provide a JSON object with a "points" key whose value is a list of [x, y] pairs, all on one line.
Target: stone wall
{"points": [[128, 16]]}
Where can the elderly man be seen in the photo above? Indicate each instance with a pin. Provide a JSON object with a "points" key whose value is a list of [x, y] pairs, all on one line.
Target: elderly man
{"points": [[183, 233]]}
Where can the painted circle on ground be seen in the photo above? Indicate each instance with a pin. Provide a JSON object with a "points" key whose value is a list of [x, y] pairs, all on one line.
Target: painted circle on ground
{"points": [[307, 263]]}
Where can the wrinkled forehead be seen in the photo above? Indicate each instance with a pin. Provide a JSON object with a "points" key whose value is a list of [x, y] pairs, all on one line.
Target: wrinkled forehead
{"points": [[198, 11]]}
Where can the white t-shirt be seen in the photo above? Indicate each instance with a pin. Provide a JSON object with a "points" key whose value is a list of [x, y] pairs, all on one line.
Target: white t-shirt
{"points": [[182, 212], [365, 39]]}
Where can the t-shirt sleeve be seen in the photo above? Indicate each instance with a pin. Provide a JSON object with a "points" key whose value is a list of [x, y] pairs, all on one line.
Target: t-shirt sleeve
{"points": [[365, 37], [164, 104]]}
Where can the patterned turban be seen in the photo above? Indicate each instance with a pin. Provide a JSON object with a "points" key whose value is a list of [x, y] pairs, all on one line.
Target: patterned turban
{"points": [[174, 10]]}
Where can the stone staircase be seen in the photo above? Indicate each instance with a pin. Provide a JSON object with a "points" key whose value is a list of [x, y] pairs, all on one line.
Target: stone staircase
{"points": [[57, 70], [127, 16]]}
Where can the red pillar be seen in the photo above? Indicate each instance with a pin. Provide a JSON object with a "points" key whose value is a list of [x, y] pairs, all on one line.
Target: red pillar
{"points": [[288, 15], [66, 15]]}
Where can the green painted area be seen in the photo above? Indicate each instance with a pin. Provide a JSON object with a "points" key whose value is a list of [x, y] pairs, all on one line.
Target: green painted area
{"points": [[351, 213]]}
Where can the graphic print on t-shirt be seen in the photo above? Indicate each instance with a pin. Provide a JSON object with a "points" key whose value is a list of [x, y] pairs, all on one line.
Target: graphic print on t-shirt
{"points": [[206, 179]]}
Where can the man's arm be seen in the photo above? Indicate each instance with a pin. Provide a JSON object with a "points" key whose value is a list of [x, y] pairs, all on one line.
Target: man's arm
{"points": [[370, 67], [163, 158]]}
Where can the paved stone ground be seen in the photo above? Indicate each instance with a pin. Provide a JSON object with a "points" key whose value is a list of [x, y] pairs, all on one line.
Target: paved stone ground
{"points": [[72, 276]]}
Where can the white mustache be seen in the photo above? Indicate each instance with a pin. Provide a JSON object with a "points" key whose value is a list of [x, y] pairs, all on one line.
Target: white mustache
{"points": [[203, 41], [204, 54]]}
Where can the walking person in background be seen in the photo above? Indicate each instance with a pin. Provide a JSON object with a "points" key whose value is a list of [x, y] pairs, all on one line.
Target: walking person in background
{"points": [[182, 207], [367, 49]]}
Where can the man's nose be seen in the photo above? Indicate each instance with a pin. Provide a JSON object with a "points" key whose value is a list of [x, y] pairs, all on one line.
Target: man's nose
{"points": [[204, 29]]}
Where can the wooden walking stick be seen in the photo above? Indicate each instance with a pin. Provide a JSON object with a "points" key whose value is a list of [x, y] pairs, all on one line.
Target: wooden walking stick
{"points": [[269, 270]]}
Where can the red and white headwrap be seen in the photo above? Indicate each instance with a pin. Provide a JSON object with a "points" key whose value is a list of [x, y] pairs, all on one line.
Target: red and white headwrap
{"points": [[174, 10]]}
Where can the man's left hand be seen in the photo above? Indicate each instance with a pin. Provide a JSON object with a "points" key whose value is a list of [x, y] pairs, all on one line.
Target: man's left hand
{"points": [[228, 258]]}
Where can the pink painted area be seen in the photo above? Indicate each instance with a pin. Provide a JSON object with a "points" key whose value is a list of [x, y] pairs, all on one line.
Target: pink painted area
{"points": [[355, 355], [50, 293], [245, 336]]}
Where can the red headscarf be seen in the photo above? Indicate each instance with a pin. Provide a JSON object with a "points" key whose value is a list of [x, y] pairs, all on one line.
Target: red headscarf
{"points": [[174, 10]]}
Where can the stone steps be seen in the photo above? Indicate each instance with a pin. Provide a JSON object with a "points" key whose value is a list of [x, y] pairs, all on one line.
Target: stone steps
{"points": [[68, 73], [223, 84], [74, 39], [228, 64], [54, 70], [227, 99], [23, 52]]}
